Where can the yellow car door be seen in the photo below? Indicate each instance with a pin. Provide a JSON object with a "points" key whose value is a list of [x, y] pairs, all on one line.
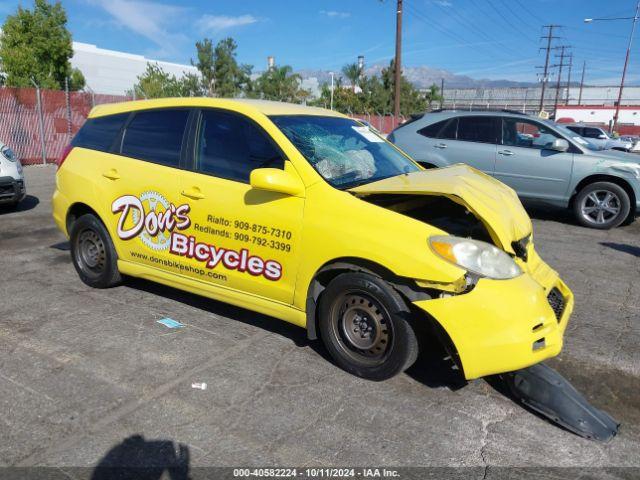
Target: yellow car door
{"points": [[241, 238], [142, 188]]}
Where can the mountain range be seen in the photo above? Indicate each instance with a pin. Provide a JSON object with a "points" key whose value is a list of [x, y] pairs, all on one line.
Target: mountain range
{"points": [[424, 77]]}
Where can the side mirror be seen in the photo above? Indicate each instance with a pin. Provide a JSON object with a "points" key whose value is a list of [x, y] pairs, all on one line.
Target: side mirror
{"points": [[602, 136], [275, 180], [559, 145]]}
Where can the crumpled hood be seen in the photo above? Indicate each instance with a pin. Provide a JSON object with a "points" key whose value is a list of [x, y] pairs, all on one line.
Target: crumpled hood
{"points": [[495, 204]]}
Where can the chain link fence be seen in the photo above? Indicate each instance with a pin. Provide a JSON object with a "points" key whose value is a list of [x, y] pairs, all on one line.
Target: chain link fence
{"points": [[39, 124]]}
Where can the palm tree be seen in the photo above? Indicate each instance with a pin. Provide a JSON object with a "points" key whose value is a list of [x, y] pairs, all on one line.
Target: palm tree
{"points": [[353, 72], [279, 83]]}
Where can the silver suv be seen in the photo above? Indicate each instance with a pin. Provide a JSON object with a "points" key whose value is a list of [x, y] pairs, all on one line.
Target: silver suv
{"points": [[12, 187], [539, 159], [600, 138]]}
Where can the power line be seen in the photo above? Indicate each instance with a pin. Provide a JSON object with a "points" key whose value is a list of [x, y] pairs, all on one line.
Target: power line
{"points": [[506, 5], [526, 9], [446, 32]]}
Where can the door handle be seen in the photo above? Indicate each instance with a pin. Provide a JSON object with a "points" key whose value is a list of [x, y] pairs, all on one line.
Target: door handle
{"points": [[440, 145], [111, 174], [193, 192], [506, 152]]}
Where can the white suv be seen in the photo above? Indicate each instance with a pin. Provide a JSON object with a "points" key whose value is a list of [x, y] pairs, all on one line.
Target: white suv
{"points": [[12, 187], [600, 138]]}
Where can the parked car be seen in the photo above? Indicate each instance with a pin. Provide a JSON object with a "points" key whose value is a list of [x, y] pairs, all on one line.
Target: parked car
{"points": [[12, 186], [634, 140], [539, 159], [306, 215], [600, 138]]}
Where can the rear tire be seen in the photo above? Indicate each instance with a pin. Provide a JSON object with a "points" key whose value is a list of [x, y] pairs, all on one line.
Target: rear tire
{"points": [[93, 254], [602, 205], [364, 326]]}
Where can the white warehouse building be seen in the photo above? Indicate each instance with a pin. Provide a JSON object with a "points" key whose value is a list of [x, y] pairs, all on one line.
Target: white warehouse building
{"points": [[112, 72]]}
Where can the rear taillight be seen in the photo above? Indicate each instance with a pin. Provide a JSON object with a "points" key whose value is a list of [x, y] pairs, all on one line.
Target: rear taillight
{"points": [[65, 154]]}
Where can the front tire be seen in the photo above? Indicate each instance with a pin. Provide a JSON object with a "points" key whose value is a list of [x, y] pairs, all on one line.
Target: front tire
{"points": [[364, 326], [602, 205], [93, 254]]}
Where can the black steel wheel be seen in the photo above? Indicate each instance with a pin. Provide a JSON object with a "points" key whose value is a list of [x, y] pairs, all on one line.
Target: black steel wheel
{"points": [[364, 325], [93, 254]]}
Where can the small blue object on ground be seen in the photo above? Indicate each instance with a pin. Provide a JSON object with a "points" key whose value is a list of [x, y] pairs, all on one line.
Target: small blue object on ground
{"points": [[170, 323]]}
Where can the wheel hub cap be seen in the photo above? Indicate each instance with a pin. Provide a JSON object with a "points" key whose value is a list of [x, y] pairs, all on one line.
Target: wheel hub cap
{"points": [[363, 325], [91, 250], [600, 206]]}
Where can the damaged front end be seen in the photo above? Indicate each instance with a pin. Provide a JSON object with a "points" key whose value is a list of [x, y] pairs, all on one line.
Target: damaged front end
{"points": [[498, 322]]}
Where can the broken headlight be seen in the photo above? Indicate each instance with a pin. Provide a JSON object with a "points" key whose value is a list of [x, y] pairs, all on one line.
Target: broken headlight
{"points": [[477, 257]]}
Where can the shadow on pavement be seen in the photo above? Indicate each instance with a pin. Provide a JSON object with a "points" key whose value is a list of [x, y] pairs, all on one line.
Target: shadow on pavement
{"points": [[432, 367], [140, 459], [540, 211], [29, 203], [623, 247]]}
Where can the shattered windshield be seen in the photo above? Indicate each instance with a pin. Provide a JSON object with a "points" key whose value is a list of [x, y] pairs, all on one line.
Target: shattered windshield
{"points": [[343, 151]]}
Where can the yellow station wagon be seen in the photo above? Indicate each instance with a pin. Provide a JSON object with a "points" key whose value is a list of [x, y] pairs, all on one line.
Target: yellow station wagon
{"points": [[306, 215]]}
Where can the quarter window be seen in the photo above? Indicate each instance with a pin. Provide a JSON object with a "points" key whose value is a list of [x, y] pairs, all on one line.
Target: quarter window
{"points": [[527, 134], [231, 146], [100, 133], [156, 136], [481, 129]]}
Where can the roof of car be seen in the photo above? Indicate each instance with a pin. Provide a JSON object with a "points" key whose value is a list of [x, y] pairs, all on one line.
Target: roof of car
{"points": [[429, 118], [265, 107]]}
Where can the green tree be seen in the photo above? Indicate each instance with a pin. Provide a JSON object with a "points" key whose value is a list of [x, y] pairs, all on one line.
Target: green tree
{"points": [[411, 99], [76, 80], [191, 85], [279, 83], [433, 95], [353, 72], [229, 77], [36, 45], [156, 83], [206, 64]]}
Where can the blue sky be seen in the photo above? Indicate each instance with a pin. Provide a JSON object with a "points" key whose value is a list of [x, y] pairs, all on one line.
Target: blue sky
{"points": [[480, 38]]}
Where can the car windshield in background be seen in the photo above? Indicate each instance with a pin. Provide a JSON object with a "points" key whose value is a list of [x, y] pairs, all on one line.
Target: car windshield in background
{"points": [[7, 152], [343, 151], [583, 142]]}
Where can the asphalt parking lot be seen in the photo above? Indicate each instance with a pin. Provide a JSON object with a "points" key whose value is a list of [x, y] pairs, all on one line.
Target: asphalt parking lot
{"points": [[81, 370]]}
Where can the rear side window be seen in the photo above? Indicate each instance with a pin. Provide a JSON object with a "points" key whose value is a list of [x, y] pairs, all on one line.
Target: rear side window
{"points": [[578, 130], [481, 129], [100, 133], [156, 136], [443, 130], [231, 146]]}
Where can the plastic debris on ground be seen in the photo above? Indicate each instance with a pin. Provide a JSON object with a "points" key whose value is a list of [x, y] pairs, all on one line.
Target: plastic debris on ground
{"points": [[170, 323]]}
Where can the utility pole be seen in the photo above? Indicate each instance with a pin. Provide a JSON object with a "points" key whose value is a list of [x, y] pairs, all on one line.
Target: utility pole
{"points": [[545, 75], [626, 59], [624, 70], [441, 93], [559, 65], [566, 102], [398, 62], [584, 66]]}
